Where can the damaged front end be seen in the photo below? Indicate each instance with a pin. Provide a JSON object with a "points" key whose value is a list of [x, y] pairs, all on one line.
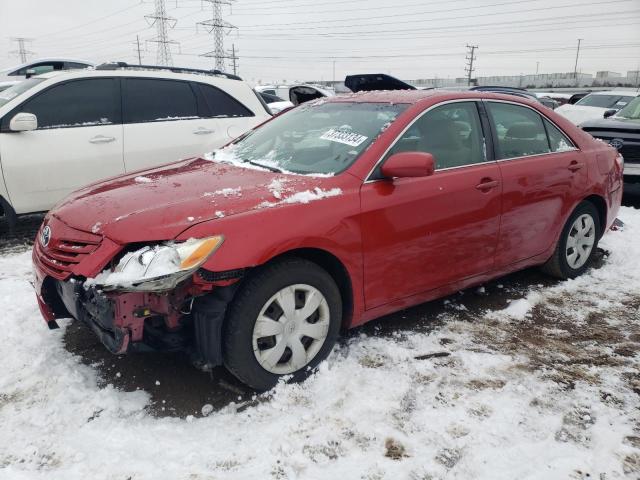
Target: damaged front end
{"points": [[150, 298]]}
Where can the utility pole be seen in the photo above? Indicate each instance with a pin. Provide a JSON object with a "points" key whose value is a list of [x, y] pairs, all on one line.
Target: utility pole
{"points": [[138, 48], [217, 25], [537, 67], [234, 58], [575, 68], [334, 74], [163, 23], [471, 56], [21, 51]]}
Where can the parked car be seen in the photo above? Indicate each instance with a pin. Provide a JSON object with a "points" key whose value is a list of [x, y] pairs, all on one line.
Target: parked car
{"points": [[595, 104], [621, 131], [559, 98], [518, 92], [369, 82], [42, 65], [327, 216], [62, 130], [297, 94], [275, 103]]}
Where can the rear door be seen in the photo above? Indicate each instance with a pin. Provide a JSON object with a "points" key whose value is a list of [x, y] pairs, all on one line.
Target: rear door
{"points": [[165, 121], [78, 141], [542, 174], [423, 233]]}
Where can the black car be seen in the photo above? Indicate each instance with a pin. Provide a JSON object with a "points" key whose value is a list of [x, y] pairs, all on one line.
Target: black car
{"points": [[622, 131]]}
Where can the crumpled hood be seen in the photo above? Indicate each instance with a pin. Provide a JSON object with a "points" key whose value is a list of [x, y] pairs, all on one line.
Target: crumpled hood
{"points": [[160, 203], [577, 114]]}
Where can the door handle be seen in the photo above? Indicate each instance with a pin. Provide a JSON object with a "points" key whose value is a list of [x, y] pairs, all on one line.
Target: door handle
{"points": [[202, 131], [101, 139], [575, 166], [487, 184]]}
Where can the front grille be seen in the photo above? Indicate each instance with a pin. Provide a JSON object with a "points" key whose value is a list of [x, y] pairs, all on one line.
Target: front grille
{"points": [[631, 154], [63, 253]]}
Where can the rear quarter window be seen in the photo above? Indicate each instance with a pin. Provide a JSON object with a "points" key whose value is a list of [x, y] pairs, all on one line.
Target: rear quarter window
{"points": [[220, 104]]}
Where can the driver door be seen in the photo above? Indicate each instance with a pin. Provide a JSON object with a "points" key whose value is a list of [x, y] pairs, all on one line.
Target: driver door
{"points": [[423, 233]]}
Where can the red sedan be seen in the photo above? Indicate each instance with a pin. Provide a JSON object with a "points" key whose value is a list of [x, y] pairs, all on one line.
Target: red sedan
{"points": [[323, 218]]}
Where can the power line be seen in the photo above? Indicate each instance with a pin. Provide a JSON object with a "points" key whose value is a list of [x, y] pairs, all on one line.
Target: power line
{"points": [[162, 23], [21, 50], [470, 59], [217, 25], [350, 27]]}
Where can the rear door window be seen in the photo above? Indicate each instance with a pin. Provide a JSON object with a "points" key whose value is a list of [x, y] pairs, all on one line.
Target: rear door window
{"points": [[221, 104], [520, 131], [79, 103], [157, 100]]}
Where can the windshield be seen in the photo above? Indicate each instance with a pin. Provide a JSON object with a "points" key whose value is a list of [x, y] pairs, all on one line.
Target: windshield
{"points": [[320, 137], [605, 101], [18, 89], [631, 111]]}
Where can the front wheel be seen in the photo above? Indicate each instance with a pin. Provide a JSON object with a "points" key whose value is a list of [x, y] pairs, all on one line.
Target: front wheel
{"points": [[577, 244], [284, 320]]}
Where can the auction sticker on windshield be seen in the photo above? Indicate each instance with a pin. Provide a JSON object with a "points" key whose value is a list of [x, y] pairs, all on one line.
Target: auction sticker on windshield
{"points": [[340, 136]]}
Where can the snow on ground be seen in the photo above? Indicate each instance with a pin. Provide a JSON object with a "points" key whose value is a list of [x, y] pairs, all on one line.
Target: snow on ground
{"points": [[547, 388]]}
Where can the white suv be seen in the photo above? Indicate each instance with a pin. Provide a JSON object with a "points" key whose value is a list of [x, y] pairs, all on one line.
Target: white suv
{"points": [[62, 130]]}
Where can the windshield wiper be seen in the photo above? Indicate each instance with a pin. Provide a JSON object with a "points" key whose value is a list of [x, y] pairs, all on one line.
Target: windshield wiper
{"points": [[268, 167]]}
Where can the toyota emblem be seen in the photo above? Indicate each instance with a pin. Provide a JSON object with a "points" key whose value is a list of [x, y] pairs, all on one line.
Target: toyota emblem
{"points": [[45, 236], [616, 143]]}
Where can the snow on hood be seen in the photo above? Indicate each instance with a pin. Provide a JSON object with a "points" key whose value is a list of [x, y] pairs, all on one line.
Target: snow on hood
{"points": [[577, 114], [160, 203]]}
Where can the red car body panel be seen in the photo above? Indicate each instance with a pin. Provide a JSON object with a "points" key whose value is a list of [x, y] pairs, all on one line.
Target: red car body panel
{"points": [[401, 242]]}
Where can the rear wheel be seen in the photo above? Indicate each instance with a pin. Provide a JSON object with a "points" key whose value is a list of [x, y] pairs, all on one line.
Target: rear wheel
{"points": [[577, 244], [284, 320]]}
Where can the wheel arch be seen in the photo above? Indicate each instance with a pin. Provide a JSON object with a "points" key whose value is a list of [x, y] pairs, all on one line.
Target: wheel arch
{"points": [[601, 206], [334, 267]]}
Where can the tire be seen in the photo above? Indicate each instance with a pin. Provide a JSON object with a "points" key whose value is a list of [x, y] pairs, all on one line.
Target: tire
{"points": [[254, 353], [563, 264]]}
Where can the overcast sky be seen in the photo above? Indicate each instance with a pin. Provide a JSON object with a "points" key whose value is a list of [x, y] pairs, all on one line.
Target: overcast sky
{"points": [[301, 39]]}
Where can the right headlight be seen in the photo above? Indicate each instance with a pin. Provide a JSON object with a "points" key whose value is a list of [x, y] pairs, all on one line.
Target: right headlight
{"points": [[157, 267]]}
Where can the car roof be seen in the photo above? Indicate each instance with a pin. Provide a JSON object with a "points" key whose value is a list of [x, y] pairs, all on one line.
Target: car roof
{"points": [[418, 96], [46, 59], [630, 93], [132, 72]]}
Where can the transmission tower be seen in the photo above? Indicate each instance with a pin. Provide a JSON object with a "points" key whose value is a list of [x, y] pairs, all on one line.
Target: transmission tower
{"points": [[163, 23], [217, 25], [471, 56], [21, 51]]}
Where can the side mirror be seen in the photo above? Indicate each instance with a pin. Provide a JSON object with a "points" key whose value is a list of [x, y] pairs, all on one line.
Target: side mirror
{"points": [[408, 164], [30, 73], [608, 113], [23, 122]]}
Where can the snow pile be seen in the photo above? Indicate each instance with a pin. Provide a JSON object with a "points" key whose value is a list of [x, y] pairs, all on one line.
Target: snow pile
{"points": [[305, 196], [475, 397], [228, 154], [142, 179], [225, 192]]}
